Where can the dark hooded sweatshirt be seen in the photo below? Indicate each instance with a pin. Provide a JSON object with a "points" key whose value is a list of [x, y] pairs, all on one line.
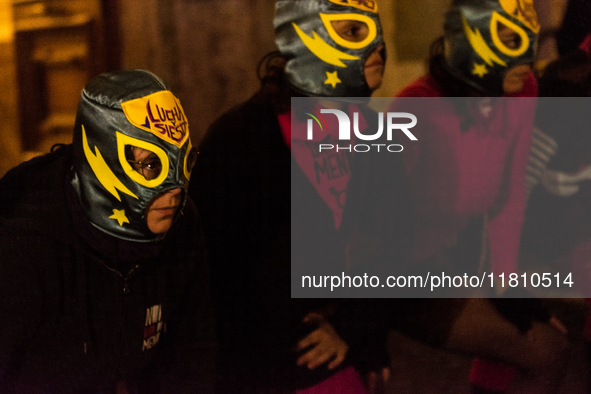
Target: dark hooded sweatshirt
{"points": [[81, 317], [242, 186]]}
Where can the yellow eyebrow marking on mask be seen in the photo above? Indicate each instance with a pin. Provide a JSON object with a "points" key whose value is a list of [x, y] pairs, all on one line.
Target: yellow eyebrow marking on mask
{"points": [[479, 45], [102, 171], [320, 48]]}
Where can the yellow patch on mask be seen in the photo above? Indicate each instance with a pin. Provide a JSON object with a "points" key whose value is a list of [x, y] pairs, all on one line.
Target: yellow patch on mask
{"points": [[524, 11], [161, 114], [364, 5]]}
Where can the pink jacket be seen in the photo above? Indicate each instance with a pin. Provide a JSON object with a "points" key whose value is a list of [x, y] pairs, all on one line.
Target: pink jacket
{"points": [[456, 175]]}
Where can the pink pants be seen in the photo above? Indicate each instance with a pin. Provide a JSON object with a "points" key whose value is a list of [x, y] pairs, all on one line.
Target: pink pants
{"points": [[346, 381]]}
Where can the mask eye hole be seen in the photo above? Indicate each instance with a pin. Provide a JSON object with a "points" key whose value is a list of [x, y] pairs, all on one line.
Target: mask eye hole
{"points": [[144, 162], [191, 159], [138, 162], [351, 30], [508, 36]]}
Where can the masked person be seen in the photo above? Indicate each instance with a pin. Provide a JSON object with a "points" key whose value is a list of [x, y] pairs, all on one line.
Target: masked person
{"points": [[104, 284], [556, 231], [269, 342], [467, 175], [556, 234]]}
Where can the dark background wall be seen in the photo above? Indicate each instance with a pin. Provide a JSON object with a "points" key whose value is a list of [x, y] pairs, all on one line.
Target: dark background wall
{"points": [[207, 51]]}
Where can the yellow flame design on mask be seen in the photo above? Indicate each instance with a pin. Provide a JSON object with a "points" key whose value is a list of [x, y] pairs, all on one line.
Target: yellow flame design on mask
{"points": [[480, 46], [102, 171], [320, 48]]}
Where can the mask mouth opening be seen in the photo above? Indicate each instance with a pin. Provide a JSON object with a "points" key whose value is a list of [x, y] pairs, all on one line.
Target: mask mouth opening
{"points": [[163, 208]]}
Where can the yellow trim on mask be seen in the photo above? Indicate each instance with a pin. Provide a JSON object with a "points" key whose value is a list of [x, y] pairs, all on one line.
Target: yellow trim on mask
{"points": [[166, 115], [523, 10], [187, 174], [373, 30], [494, 21], [320, 48], [360, 4], [480, 46], [122, 141], [102, 171]]}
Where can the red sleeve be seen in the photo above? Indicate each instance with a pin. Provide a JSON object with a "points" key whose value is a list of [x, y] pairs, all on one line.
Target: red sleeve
{"points": [[425, 86], [586, 45], [506, 217], [422, 87], [530, 88], [506, 220]]}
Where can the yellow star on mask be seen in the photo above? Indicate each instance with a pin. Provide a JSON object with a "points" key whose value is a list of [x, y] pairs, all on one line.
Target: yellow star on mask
{"points": [[119, 215], [480, 70], [332, 79]]}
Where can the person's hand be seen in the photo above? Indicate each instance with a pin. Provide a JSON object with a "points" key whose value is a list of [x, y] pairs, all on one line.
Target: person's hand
{"points": [[563, 184], [326, 345], [376, 381]]}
